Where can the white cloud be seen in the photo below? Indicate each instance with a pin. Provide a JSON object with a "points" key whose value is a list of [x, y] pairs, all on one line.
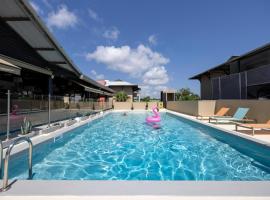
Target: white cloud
{"points": [[62, 18], [36, 7], [134, 62], [93, 15], [156, 76], [97, 76], [111, 34], [141, 62], [152, 39]]}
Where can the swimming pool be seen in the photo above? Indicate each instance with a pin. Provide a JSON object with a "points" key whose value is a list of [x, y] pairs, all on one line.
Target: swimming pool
{"points": [[119, 147]]}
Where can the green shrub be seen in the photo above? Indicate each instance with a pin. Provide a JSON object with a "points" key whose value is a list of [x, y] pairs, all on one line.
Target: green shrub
{"points": [[121, 96], [185, 94], [146, 99]]}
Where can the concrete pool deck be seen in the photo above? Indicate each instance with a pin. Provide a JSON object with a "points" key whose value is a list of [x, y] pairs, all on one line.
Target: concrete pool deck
{"points": [[39, 189], [142, 189], [263, 136]]}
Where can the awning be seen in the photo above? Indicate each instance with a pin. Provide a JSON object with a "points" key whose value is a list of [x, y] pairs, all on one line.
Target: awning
{"points": [[22, 18], [8, 67], [22, 65], [89, 89], [88, 80]]}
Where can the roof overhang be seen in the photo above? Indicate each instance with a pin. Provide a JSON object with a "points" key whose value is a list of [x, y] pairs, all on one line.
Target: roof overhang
{"points": [[22, 65], [89, 89], [21, 17], [8, 67], [220, 68], [169, 91], [134, 87], [232, 59], [88, 80]]}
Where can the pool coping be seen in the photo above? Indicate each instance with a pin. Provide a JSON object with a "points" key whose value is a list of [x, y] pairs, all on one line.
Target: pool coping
{"points": [[239, 134], [135, 188], [139, 188]]}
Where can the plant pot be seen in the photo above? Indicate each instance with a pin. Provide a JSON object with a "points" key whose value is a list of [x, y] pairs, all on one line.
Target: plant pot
{"points": [[71, 122], [84, 118], [51, 129], [31, 134]]}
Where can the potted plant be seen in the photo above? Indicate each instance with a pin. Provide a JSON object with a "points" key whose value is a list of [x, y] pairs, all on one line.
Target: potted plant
{"points": [[26, 127], [66, 105]]}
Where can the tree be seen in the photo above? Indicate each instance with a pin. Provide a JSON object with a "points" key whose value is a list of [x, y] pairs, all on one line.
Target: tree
{"points": [[184, 94], [121, 96], [146, 99]]}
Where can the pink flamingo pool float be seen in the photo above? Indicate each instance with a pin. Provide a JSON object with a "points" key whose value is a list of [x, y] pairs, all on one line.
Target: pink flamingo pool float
{"points": [[155, 118]]}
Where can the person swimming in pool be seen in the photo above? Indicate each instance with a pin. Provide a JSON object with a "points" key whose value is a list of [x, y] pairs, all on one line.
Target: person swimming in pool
{"points": [[124, 114]]}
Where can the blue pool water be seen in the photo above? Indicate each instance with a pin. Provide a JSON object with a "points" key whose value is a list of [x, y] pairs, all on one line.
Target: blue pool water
{"points": [[119, 147]]}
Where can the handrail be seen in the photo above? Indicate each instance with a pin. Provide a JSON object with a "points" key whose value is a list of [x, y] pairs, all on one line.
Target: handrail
{"points": [[5, 179], [1, 158]]}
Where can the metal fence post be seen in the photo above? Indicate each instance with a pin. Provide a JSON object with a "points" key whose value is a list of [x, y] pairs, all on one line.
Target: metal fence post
{"points": [[49, 110], [8, 113], [49, 101]]}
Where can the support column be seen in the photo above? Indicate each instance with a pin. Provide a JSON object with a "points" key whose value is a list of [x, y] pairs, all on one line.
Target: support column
{"points": [[166, 99], [8, 114]]}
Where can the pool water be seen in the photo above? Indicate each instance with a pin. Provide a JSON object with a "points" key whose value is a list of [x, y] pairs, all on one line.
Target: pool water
{"points": [[119, 147]]}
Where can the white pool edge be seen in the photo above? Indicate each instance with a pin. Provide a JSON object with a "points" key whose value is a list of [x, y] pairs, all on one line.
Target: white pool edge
{"points": [[241, 135], [140, 188]]}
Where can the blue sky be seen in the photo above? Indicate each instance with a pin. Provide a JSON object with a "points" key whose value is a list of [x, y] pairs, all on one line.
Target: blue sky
{"points": [[156, 44]]}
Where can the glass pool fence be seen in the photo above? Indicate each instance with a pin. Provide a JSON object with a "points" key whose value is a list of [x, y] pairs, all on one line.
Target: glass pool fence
{"points": [[42, 110]]}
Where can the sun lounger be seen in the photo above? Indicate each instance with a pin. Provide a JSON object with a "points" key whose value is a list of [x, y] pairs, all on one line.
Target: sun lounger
{"points": [[221, 113], [253, 127], [239, 116]]}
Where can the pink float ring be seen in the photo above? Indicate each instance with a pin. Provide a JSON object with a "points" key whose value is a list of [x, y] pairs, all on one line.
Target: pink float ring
{"points": [[155, 118]]}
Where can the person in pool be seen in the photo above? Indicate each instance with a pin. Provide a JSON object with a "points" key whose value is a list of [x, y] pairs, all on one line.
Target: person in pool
{"points": [[124, 114]]}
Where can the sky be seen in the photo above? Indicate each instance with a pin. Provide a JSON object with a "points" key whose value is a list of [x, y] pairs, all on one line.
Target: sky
{"points": [[156, 44]]}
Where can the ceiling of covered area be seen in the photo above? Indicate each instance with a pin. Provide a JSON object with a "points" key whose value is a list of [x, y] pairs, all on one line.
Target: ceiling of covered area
{"points": [[21, 17]]}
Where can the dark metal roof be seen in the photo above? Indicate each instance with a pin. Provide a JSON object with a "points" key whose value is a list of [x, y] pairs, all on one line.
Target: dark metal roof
{"points": [[21, 17], [225, 65]]}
